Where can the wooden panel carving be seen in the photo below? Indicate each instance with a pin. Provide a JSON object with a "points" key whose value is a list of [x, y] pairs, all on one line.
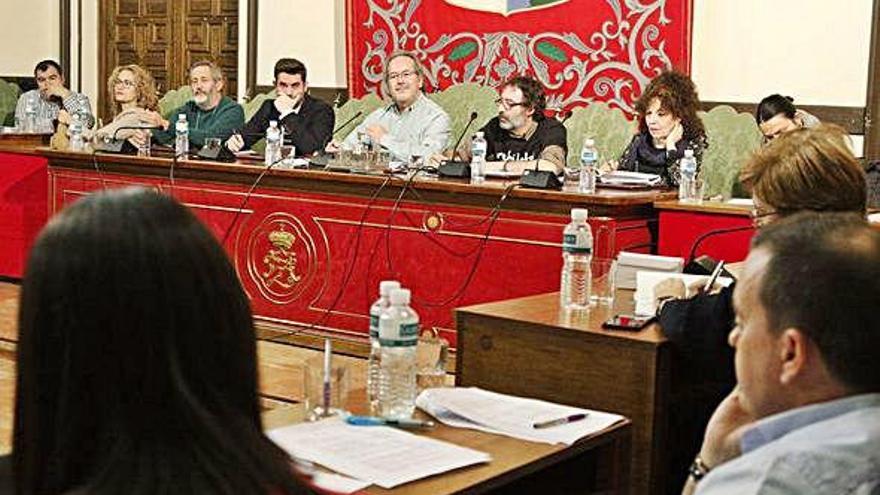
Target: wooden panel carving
{"points": [[165, 37]]}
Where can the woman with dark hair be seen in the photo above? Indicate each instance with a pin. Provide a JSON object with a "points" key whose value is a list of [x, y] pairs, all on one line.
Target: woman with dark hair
{"points": [[776, 115], [136, 368], [806, 170], [668, 125]]}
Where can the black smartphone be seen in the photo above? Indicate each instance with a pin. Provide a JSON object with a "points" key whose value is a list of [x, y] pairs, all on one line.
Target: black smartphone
{"points": [[627, 322]]}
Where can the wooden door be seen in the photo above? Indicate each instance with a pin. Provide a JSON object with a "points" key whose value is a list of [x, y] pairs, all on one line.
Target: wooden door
{"points": [[166, 37]]}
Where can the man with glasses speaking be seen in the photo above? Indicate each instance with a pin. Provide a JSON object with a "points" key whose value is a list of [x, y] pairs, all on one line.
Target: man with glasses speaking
{"points": [[412, 126]]}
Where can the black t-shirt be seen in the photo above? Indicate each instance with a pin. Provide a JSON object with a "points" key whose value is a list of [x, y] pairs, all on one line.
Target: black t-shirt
{"points": [[501, 145]]}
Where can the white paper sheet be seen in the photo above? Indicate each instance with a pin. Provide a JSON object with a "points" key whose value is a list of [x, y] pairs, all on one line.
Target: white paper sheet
{"points": [[379, 454], [491, 412]]}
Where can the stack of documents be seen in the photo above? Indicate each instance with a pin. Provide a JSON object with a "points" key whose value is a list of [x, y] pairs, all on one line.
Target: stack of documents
{"points": [[628, 264], [646, 301], [515, 417], [379, 454], [624, 178]]}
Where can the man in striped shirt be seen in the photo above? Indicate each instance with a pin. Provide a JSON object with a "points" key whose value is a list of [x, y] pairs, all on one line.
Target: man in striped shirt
{"points": [[52, 101]]}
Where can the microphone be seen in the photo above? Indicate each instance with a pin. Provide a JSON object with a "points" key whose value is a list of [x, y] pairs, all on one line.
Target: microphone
{"points": [[539, 179], [345, 124], [467, 126], [453, 168], [115, 145], [704, 265]]}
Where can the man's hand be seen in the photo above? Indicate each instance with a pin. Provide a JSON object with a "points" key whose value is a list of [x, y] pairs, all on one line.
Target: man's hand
{"points": [[58, 90], [235, 143], [674, 136], [64, 117], [725, 430], [154, 118], [376, 132], [670, 288], [285, 104], [332, 147]]}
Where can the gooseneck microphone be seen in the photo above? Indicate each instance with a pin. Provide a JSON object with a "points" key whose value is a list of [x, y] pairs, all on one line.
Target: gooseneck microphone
{"points": [[114, 144], [345, 124], [567, 115], [467, 126], [705, 266]]}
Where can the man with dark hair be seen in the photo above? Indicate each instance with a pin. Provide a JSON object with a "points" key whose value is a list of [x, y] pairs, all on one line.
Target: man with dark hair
{"points": [[209, 113], [52, 101], [805, 415], [521, 134], [307, 122]]}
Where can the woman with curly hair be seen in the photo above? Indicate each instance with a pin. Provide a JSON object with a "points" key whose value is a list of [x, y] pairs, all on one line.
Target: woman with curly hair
{"points": [[133, 93], [668, 125]]}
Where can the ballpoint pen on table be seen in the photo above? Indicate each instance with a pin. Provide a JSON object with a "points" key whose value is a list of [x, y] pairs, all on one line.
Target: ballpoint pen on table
{"points": [[328, 350], [378, 421], [559, 421]]}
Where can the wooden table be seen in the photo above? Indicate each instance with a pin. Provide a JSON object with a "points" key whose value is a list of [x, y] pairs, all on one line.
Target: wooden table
{"points": [[682, 224], [23, 199], [528, 347], [311, 246], [598, 463]]}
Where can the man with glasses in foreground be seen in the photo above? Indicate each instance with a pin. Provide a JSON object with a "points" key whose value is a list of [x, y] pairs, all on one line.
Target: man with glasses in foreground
{"points": [[803, 170], [412, 127]]}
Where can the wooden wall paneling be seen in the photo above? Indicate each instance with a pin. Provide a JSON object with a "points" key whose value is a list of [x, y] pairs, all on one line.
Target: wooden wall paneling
{"points": [[872, 111]]}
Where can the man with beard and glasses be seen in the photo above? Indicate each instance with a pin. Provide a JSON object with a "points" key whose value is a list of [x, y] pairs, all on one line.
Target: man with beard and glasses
{"points": [[521, 136], [209, 114], [412, 126]]}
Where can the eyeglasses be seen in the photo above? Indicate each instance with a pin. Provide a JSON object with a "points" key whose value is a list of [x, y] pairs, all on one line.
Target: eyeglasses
{"points": [[124, 82], [507, 104], [761, 217], [401, 75]]}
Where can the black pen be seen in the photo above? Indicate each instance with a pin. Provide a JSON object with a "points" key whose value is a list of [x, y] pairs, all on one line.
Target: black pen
{"points": [[559, 421]]}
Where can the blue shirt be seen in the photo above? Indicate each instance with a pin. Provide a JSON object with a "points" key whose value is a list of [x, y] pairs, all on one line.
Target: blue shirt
{"points": [[828, 448], [420, 130]]}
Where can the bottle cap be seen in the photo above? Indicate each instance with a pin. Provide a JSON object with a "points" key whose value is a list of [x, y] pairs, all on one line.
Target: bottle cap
{"points": [[400, 296], [273, 123], [181, 116], [579, 214], [479, 134], [689, 153], [386, 286], [589, 142]]}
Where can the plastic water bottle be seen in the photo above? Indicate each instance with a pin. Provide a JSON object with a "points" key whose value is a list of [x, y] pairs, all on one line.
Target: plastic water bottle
{"points": [[688, 171], [273, 143], [30, 115], [577, 254], [77, 143], [181, 140], [589, 160], [478, 158], [398, 336], [375, 361]]}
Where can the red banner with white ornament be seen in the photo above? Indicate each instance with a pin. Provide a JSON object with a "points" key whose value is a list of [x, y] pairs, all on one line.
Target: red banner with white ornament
{"points": [[580, 50]]}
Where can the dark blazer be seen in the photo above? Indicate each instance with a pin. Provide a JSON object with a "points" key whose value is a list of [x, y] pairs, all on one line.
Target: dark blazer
{"points": [[309, 130], [6, 475]]}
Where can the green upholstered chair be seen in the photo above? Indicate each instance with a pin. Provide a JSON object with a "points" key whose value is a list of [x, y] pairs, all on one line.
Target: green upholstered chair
{"points": [[8, 99], [607, 125], [733, 137], [172, 100], [460, 100], [364, 105], [251, 106]]}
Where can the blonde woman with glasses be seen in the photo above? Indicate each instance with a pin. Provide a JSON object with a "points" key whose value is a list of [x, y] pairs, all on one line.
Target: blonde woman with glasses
{"points": [[133, 93]]}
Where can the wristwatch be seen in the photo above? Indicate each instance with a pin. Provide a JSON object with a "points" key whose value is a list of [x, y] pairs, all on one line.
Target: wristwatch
{"points": [[698, 469]]}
